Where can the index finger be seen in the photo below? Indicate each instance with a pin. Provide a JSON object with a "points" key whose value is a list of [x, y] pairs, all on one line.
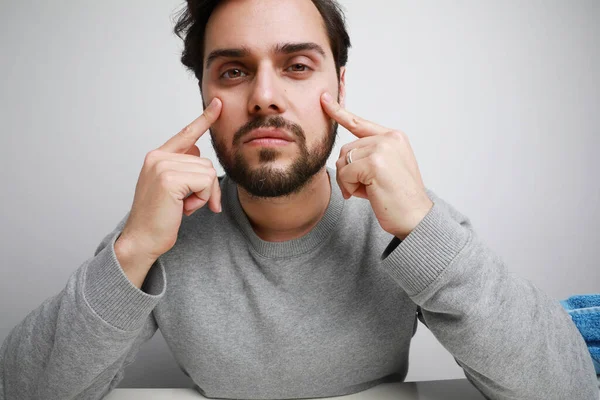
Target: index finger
{"points": [[188, 136], [360, 127]]}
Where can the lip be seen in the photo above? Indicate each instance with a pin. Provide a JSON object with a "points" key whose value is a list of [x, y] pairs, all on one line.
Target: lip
{"points": [[265, 133]]}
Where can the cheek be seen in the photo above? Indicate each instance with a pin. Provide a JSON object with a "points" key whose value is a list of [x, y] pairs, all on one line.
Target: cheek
{"points": [[232, 114], [225, 125], [317, 117], [314, 121]]}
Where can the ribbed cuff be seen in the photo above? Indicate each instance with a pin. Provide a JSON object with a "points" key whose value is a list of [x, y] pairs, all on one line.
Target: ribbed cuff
{"points": [[111, 294], [426, 252]]}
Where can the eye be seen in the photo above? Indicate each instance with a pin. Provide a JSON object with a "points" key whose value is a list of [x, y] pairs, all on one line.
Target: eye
{"points": [[298, 68], [233, 73]]}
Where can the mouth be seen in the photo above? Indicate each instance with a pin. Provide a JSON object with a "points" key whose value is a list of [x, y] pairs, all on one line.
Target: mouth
{"points": [[268, 137]]}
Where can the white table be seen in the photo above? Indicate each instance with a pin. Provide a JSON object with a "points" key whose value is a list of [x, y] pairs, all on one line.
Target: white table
{"points": [[452, 389]]}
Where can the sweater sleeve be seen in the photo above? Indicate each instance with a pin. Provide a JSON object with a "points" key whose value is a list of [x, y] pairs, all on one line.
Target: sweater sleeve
{"points": [[76, 344], [511, 339]]}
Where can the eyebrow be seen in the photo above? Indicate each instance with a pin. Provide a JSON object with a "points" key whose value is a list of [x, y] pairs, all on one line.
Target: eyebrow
{"points": [[280, 48]]}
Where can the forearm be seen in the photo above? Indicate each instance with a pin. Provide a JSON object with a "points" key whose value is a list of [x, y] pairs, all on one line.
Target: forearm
{"points": [[512, 340], [76, 344]]}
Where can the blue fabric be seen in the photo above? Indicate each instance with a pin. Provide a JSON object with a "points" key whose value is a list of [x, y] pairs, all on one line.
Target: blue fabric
{"points": [[584, 310]]}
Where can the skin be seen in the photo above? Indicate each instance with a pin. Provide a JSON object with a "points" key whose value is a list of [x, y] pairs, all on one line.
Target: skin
{"points": [[301, 87], [266, 83], [384, 170]]}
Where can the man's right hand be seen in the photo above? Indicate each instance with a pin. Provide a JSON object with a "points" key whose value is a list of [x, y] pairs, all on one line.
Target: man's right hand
{"points": [[168, 175]]}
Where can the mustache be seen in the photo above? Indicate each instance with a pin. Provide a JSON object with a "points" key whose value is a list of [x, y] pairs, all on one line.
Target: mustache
{"points": [[277, 122]]}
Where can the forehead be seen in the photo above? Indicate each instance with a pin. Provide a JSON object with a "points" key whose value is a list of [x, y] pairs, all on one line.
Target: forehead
{"points": [[260, 24]]}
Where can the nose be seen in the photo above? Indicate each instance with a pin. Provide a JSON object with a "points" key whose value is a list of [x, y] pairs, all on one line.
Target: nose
{"points": [[266, 96]]}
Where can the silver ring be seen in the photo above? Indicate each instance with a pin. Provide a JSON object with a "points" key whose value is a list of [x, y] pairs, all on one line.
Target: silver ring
{"points": [[349, 157]]}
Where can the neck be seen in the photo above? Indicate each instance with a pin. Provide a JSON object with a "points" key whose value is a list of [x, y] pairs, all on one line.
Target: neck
{"points": [[289, 217]]}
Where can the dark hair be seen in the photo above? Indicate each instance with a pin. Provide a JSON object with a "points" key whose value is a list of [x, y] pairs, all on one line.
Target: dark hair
{"points": [[193, 18]]}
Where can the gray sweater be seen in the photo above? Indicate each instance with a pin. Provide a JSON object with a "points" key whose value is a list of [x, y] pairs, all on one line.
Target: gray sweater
{"points": [[328, 314]]}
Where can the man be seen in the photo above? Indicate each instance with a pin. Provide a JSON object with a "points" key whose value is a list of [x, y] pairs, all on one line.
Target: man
{"points": [[286, 279]]}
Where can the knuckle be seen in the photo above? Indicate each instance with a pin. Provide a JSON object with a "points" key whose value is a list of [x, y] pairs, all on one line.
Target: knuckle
{"points": [[207, 184], [381, 145], [160, 166], [151, 157], [397, 135], [211, 173], [209, 164], [186, 130], [205, 162], [376, 161], [166, 178], [205, 192]]}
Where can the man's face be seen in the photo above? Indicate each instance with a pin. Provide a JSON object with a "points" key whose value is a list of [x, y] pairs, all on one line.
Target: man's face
{"points": [[269, 61]]}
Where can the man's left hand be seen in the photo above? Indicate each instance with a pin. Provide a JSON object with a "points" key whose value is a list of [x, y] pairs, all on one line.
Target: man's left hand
{"points": [[383, 169]]}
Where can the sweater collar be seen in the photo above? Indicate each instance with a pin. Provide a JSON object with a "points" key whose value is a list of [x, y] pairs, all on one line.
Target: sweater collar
{"points": [[317, 235]]}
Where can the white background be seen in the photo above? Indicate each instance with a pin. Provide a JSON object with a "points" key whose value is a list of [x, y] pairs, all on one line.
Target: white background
{"points": [[500, 100]]}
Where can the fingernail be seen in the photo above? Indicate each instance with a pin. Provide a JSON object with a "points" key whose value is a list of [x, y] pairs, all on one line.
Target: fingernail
{"points": [[213, 104], [327, 97]]}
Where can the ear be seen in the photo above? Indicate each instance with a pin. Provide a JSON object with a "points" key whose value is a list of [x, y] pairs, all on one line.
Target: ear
{"points": [[342, 88]]}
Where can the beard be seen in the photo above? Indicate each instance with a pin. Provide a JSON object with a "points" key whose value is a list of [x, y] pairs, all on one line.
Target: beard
{"points": [[265, 180]]}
